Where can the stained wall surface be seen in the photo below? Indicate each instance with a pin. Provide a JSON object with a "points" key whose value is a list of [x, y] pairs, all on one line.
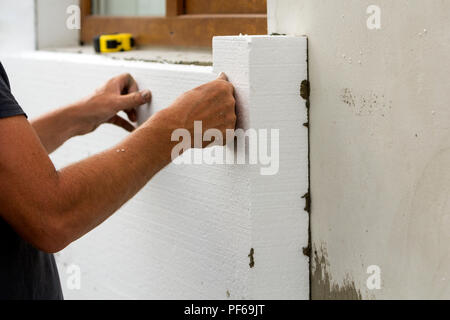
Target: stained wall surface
{"points": [[380, 144]]}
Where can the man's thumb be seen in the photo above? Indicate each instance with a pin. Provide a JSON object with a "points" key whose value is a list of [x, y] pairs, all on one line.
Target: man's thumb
{"points": [[135, 99]]}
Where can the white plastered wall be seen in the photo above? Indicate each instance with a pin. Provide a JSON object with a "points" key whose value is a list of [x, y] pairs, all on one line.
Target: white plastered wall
{"points": [[380, 144], [188, 234], [17, 26], [26, 25]]}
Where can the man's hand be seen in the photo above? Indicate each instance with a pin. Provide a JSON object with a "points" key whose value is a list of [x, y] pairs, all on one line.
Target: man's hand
{"points": [[118, 94], [212, 103]]}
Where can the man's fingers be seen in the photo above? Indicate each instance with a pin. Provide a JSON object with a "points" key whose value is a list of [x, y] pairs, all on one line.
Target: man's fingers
{"points": [[132, 114], [130, 97], [127, 84], [121, 122], [131, 87], [222, 76], [134, 100]]}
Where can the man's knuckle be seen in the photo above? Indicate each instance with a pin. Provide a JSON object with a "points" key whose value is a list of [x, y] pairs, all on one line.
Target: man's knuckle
{"points": [[221, 85], [230, 103], [137, 97]]}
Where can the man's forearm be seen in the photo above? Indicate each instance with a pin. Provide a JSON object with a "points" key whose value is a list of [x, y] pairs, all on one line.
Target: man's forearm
{"points": [[51, 209], [58, 126], [93, 189]]}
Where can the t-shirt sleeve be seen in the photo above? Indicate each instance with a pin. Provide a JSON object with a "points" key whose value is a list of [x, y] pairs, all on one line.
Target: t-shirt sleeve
{"points": [[8, 104]]}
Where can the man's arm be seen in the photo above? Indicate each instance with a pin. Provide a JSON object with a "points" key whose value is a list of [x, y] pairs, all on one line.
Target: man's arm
{"points": [[118, 94], [51, 208]]}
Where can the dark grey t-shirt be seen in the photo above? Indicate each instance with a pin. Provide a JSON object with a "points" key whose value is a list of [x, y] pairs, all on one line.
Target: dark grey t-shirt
{"points": [[25, 272]]}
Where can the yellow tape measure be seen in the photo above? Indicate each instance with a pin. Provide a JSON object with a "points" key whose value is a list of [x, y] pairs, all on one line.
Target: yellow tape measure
{"points": [[114, 42]]}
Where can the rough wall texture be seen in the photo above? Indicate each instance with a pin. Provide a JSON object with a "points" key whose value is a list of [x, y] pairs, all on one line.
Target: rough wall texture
{"points": [[195, 231], [380, 144]]}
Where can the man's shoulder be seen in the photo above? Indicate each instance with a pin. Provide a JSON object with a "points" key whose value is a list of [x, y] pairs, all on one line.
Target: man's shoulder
{"points": [[4, 81], [8, 104]]}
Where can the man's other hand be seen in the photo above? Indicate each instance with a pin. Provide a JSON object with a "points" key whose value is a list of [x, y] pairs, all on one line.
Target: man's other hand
{"points": [[121, 93]]}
